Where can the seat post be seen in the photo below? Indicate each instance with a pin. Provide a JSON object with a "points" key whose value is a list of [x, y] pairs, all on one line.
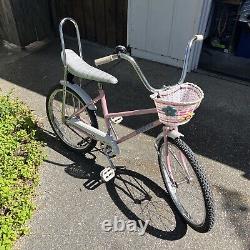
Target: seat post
{"points": [[100, 86]]}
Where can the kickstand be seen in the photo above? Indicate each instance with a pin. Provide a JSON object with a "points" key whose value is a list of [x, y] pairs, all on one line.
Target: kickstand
{"points": [[111, 163]]}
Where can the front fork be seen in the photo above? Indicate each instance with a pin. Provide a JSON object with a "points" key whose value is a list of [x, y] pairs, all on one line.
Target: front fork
{"points": [[181, 162], [167, 158]]}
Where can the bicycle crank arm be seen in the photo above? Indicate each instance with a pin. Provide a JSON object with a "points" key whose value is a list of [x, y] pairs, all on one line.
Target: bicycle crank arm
{"points": [[94, 133]]}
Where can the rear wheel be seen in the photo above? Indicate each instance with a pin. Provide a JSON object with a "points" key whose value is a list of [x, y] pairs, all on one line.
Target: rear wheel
{"points": [[71, 137], [187, 184]]}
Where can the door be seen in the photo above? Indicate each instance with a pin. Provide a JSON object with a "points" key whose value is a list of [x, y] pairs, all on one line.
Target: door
{"points": [[159, 30]]}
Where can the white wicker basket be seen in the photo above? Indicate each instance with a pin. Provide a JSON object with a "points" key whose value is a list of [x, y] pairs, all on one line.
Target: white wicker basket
{"points": [[176, 105]]}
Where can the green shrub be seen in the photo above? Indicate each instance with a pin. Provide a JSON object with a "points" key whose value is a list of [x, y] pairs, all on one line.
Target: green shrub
{"points": [[20, 155]]}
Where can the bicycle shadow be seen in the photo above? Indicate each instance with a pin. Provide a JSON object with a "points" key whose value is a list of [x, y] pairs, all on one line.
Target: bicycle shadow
{"points": [[141, 199], [135, 195]]}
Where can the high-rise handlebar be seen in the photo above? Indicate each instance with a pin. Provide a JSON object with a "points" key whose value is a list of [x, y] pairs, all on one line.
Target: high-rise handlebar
{"points": [[187, 57], [144, 80]]}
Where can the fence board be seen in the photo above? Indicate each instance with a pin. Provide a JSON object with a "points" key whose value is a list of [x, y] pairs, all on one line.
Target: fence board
{"points": [[26, 21], [124, 21], [8, 29], [32, 20], [100, 23], [79, 17], [110, 22], [119, 22], [89, 20]]}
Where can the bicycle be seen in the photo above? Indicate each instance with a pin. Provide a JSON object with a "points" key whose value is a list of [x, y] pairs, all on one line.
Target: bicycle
{"points": [[72, 116]]}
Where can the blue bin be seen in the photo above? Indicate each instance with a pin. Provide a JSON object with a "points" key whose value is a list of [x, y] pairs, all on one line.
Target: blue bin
{"points": [[243, 48]]}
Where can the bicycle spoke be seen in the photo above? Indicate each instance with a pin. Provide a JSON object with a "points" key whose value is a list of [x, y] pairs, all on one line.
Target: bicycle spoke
{"points": [[187, 191], [73, 137], [177, 160]]}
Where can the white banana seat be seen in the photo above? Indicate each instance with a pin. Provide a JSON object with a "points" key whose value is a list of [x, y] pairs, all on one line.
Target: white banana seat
{"points": [[79, 68]]}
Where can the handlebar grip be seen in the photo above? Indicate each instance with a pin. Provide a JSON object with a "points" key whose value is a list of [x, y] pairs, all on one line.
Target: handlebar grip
{"points": [[199, 37], [106, 59]]}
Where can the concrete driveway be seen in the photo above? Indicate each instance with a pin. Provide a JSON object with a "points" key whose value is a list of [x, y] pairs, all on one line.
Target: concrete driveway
{"points": [[71, 201]]}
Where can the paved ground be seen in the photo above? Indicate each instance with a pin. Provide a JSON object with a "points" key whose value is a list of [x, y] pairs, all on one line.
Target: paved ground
{"points": [[71, 202]]}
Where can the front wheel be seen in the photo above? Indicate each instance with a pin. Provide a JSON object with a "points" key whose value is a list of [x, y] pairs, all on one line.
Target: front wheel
{"points": [[187, 184]]}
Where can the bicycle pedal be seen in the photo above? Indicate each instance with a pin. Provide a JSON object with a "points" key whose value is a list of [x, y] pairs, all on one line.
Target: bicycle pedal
{"points": [[117, 120], [107, 174]]}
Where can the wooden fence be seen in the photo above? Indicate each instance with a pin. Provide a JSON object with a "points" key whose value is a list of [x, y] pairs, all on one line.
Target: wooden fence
{"points": [[101, 21], [24, 21]]}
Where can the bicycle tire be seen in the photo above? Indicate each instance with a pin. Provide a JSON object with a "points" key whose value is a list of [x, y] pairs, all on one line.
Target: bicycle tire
{"points": [[207, 224]]}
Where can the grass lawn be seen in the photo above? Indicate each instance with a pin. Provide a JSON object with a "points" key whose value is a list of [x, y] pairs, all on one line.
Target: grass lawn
{"points": [[20, 155]]}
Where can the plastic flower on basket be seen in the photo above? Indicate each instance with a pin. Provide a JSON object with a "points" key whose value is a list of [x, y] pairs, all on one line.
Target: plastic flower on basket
{"points": [[188, 116], [169, 111]]}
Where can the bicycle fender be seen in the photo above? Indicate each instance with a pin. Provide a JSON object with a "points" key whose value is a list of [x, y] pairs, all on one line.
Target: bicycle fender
{"points": [[172, 134], [81, 92]]}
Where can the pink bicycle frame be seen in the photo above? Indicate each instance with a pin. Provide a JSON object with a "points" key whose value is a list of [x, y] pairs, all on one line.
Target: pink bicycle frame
{"points": [[107, 116]]}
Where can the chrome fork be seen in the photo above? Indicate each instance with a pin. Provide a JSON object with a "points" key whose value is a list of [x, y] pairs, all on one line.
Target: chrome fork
{"points": [[181, 161]]}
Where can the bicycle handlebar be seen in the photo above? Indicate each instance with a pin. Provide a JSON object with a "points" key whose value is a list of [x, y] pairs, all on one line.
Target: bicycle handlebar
{"points": [[187, 56], [108, 59], [199, 37]]}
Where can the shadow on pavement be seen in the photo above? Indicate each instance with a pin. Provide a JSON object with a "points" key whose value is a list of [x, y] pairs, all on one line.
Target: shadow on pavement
{"points": [[137, 197], [238, 211]]}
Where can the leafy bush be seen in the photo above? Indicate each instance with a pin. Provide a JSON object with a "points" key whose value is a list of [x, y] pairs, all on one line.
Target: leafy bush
{"points": [[20, 155]]}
